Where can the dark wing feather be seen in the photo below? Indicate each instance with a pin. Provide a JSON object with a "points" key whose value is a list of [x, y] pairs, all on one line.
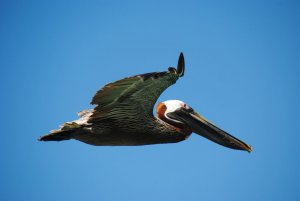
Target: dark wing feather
{"points": [[135, 96]]}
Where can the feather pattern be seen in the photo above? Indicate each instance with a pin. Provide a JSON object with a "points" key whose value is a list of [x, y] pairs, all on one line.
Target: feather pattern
{"points": [[128, 103], [132, 97]]}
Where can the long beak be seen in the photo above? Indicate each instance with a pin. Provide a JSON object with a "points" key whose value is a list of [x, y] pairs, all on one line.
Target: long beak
{"points": [[205, 128]]}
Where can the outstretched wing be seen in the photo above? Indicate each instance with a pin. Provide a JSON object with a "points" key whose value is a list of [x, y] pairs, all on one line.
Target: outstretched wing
{"points": [[134, 97]]}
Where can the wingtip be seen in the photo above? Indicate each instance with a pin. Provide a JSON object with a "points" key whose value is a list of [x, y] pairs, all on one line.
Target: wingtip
{"points": [[180, 65]]}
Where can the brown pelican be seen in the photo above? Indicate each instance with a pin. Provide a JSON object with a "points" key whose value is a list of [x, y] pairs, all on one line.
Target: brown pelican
{"points": [[124, 116]]}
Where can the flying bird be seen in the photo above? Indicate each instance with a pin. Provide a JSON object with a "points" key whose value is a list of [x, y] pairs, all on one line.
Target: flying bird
{"points": [[123, 116]]}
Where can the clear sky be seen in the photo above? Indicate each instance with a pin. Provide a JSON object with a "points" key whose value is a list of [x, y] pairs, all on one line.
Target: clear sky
{"points": [[242, 73]]}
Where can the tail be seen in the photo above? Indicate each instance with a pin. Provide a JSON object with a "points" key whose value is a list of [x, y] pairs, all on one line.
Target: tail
{"points": [[67, 132]]}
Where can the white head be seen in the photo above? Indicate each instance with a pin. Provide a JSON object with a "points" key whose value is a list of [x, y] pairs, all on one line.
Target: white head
{"points": [[173, 105], [170, 106]]}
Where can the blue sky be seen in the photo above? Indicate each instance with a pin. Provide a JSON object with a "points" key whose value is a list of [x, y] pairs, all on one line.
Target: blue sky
{"points": [[242, 73]]}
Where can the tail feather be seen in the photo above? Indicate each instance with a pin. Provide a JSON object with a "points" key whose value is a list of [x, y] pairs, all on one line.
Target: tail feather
{"points": [[57, 136], [67, 131]]}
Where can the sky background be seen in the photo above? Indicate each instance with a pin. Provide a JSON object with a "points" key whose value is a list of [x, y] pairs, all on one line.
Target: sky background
{"points": [[242, 73]]}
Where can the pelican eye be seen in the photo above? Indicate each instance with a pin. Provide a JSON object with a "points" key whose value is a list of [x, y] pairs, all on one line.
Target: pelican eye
{"points": [[188, 108]]}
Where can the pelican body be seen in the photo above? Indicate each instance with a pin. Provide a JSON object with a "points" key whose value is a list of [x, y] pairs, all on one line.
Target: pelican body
{"points": [[123, 116]]}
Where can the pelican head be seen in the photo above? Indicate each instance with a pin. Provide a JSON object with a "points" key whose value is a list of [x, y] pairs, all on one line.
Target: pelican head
{"points": [[182, 116]]}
